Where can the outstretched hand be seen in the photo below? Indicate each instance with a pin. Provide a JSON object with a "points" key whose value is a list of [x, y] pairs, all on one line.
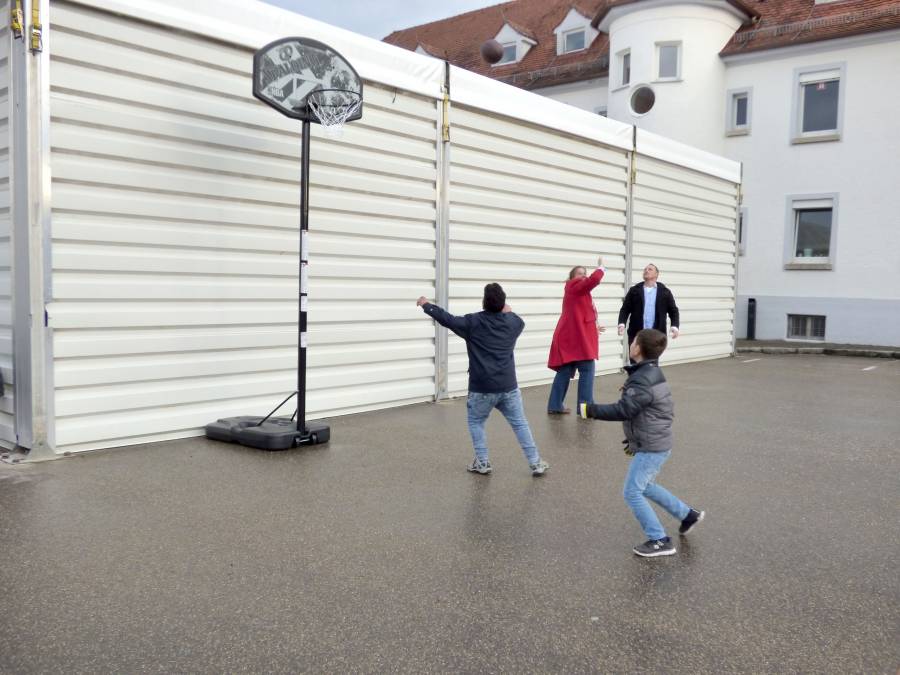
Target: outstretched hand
{"points": [[422, 301], [600, 261]]}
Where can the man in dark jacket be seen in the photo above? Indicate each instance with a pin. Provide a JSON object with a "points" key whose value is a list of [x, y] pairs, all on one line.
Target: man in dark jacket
{"points": [[646, 411], [490, 339], [646, 305]]}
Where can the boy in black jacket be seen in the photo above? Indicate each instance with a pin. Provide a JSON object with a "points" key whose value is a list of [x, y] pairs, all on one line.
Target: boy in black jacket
{"points": [[646, 411], [490, 338]]}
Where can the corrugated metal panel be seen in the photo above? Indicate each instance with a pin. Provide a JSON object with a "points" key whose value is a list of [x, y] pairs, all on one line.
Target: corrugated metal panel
{"points": [[175, 227], [684, 222], [7, 403], [526, 205]]}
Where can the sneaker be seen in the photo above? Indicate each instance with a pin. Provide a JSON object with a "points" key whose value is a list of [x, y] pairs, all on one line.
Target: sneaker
{"points": [[690, 521], [564, 411], [477, 466], [539, 469], [655, 547]]}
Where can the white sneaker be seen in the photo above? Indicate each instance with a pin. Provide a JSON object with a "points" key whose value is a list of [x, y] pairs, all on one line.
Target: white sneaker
{"points": [[539, 469], [477, 466]]}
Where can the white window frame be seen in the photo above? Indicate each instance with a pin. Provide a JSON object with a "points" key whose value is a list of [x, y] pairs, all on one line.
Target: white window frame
{"points": [[806, 338], [807, 75], [515, 59], [620, 68], [564, 37], [731, 126], [797, 203], [658, 62]]}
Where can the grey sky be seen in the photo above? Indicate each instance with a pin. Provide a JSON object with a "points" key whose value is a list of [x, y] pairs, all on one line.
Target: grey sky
{"points": [[377, 18]]}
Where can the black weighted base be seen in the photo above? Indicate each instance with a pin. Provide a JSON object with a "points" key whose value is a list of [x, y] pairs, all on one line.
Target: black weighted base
{"points": [[276, 433]]}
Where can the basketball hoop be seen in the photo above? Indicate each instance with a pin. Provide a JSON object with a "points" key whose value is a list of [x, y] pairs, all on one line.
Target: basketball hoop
{"points": [[333, 107], [305, 80]]}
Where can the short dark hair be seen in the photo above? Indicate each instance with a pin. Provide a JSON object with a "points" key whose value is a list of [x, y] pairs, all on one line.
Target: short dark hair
{"points": [[574, 269], [651, 342], [494, 298]]}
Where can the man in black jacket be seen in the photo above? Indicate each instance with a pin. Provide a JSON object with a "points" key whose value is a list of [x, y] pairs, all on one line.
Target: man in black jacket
{"points": [[490, 339], [646, 305]]}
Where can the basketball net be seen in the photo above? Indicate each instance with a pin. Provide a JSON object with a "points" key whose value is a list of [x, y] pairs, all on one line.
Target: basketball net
{"points": [[332, 108]]}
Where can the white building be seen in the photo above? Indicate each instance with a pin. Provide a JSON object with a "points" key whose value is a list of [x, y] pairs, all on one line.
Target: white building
{"points": [[802, 92], [149, 224]]}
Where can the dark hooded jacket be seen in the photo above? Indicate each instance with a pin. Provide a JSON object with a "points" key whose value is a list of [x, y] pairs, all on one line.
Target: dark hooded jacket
{"points": [[646, 408], [490, 339]]}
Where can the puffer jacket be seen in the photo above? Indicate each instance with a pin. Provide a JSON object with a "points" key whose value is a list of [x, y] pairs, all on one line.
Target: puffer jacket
{"points": [[646, 408]]}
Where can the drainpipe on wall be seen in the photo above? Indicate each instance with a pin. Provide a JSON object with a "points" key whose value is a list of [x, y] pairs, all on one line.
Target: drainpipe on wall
{"points": [[442, 241]]}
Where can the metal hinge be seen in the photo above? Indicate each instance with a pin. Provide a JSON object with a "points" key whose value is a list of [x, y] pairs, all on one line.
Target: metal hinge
{"points": [[16, 19], [37, 41], [445, 127]]}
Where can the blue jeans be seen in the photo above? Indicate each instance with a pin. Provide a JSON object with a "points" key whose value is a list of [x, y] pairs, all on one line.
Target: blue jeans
{"points": [[479, 406], [561, 384], [639, 487]]}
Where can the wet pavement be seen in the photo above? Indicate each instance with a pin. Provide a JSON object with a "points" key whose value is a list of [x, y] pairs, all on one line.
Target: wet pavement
{"points": [[378, 552]]}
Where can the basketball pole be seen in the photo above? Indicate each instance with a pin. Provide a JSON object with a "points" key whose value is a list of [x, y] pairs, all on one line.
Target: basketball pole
{"points": [[304, 279]]}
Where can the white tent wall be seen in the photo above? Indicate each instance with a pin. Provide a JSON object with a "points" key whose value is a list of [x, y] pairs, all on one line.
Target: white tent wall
{"points": [[684, 222], [528, 203], [175, 239], [174, 198], [7, 403]]}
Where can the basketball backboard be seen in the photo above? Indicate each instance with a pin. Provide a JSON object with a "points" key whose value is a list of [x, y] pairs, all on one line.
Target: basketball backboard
{"points": [[286, 71]]}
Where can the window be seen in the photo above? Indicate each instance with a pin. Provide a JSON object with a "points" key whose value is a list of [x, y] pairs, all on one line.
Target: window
{"points": [[742, 230], [624, 59], [574, 33], [668, 60], [818, 102], [642, 100], [738, 122], [804, 327], [509, 54], [573, 41], [811, 232]]}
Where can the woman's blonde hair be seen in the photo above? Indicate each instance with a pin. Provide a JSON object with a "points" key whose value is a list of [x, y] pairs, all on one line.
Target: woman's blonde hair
{"points": [[574, 269]]}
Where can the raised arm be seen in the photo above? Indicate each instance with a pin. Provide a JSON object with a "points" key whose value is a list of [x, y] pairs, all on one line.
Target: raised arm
{"points": [[457, 324], [588, 283]]}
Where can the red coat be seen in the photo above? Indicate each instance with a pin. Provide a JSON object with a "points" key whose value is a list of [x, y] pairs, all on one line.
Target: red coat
{"points": [[575, 337]]}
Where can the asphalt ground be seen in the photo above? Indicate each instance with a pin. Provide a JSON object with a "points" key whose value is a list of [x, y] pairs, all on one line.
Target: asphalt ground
{"points": [[379, 553]]}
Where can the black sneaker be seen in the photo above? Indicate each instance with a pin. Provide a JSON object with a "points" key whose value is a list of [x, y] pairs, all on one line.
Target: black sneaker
{"points": [[655, 547], [690, 521]]}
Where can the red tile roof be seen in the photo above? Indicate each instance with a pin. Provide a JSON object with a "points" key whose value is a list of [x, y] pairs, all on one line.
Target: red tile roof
{"points": [[778, 23], [791, 22], [460, 38], [737, 4]]}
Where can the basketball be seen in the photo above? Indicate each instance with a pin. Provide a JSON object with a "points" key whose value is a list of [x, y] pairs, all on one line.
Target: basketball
{"points": [[492, 51]]}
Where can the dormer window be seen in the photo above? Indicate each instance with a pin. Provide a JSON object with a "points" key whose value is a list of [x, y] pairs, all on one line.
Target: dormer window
{"points": [[516, 43], [574, 33], [574, 41], [509, 54]]}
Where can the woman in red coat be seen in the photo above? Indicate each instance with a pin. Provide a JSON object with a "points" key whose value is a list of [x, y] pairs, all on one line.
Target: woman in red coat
{"points": [[575, 340]]}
